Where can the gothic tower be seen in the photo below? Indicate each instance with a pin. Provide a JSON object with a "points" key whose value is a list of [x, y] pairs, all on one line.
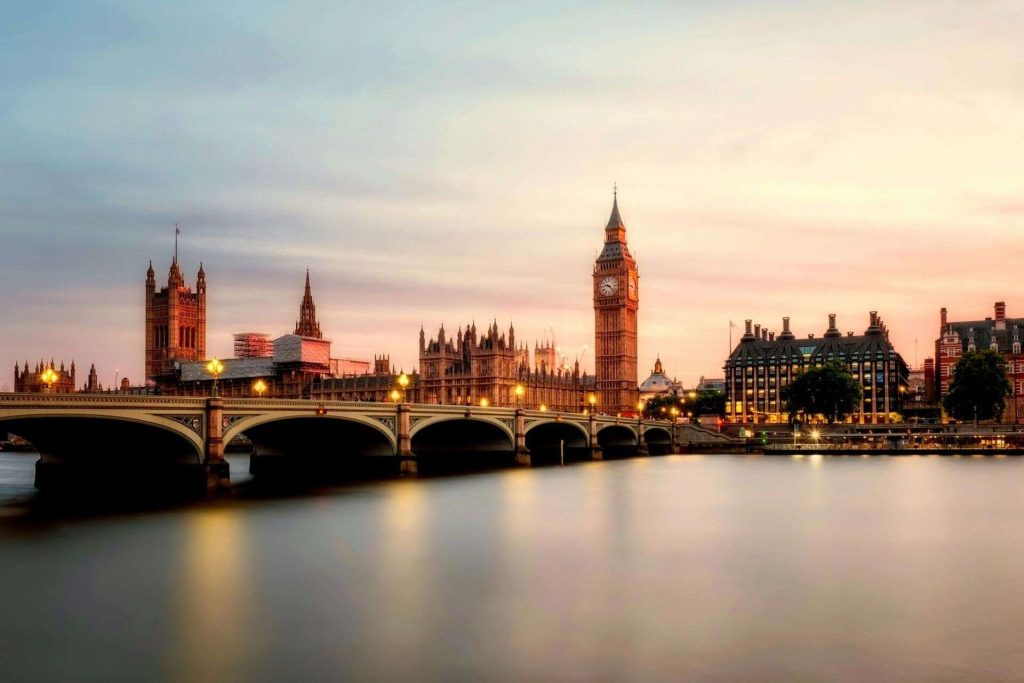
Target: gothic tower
{"points": [[616, 299], [175, 321], [307, 326]]}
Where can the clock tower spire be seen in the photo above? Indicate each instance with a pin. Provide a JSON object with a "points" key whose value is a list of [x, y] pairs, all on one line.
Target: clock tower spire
{"points": [[616, 300]]}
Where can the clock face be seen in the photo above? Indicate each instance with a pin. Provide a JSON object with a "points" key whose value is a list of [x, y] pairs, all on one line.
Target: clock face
{"points": [[608, 286], [632, 287]]}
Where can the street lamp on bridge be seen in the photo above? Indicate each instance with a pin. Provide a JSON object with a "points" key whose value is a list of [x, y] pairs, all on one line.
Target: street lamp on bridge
{"points": [[260, 387], [484, 402], [520, 391], [403, 381], [215, 368], [49, 377]]}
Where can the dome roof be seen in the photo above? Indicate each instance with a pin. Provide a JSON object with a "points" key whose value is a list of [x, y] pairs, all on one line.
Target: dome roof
{"points": [[658, 382]]}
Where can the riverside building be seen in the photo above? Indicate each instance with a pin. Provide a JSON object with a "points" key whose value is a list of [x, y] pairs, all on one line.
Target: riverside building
{"points": [[998, 333], [762, 364]]}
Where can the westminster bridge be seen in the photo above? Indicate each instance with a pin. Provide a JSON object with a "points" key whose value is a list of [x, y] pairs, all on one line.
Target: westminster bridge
{"points": [[118, 435]]}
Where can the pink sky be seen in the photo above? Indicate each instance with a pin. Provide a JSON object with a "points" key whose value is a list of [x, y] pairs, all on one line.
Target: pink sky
{"points": [[773, 159]]}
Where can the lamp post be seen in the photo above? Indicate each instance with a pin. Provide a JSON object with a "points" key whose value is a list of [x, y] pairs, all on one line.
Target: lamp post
{"points": [[520, 391], [48, 377], [484, 402], [640, 405], [214, 367], [260, 387], [395, 395], [403, 381], [543, 408], [592, 399]]}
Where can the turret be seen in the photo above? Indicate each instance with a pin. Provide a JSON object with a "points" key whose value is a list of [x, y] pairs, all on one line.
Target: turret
{"points": [[201, 280]]}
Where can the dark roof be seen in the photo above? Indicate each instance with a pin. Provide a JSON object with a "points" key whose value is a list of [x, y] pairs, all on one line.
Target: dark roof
{"points": [[984, 331], [818, 349]]}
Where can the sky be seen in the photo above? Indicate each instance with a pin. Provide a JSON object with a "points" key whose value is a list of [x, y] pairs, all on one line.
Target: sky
{"points": [[445, 162]]}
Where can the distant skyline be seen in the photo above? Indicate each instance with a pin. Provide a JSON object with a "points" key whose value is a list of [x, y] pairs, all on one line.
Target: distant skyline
{"points": [[442, 163]]}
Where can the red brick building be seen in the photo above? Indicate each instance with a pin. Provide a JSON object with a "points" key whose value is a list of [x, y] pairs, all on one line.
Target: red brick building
{"points": [[999, 333]]}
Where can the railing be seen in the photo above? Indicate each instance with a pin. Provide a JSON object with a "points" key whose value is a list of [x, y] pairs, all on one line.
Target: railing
{"points": [[101, 399]]}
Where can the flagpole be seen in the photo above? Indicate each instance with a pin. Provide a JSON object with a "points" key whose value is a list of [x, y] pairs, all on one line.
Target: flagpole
{"points": [[176, 231]]}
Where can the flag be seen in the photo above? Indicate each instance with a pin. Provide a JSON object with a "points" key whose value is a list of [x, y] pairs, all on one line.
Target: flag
{"points": [[731, 324], [177, 230]]}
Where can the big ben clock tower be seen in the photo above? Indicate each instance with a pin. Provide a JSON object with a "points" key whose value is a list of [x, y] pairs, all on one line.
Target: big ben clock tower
{"points": [[616, 299]]}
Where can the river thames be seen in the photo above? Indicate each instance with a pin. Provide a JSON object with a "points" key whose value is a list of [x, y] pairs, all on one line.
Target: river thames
{"points": [[716, 568]]}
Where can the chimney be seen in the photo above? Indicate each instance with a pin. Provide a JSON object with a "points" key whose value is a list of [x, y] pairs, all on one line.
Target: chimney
{"points": [[1000, 310], [771, 336], [747, 323], [785, 324], [757, 331], [942, 317], [874, 318], [831, 320], [764, 334]]}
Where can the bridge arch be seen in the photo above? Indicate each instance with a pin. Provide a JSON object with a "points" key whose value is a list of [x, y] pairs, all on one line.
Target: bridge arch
{"points": [[47, 430], [93, 450], [296, 446], [617, 440], [455, 442], [246, 424], [550, 440], [658, 440]]}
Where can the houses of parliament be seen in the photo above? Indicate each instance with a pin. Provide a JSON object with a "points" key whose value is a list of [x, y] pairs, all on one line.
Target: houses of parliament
{"points": [[471, 367]]}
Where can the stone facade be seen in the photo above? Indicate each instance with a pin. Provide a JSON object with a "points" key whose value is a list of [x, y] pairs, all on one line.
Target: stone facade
{"points": [[31, 382], [175, 323], [472, 367]]}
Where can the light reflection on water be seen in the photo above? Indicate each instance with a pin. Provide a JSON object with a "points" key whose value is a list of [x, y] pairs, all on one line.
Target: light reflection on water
{"points": [[665, 568]]}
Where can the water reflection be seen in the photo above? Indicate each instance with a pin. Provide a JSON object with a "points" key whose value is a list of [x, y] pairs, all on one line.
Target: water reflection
{"points": [[671, 568], [212, 597]]}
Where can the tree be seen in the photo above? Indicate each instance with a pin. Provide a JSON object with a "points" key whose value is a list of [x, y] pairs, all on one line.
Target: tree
{"points": [[689, 404], [829, 391], [979, 387]]}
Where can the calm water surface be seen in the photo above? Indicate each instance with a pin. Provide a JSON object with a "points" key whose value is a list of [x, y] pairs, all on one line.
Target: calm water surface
{"points": [[714, 568]]}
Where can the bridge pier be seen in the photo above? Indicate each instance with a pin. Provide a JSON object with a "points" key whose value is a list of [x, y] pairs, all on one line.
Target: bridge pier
{"points": [[407, 466], [595, 448], [218, 472], [522, 452], [641, 443]]}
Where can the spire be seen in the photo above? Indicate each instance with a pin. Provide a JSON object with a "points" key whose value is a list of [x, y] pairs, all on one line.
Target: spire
{"points": [[307, 326], [614, 235], [615, 221]]}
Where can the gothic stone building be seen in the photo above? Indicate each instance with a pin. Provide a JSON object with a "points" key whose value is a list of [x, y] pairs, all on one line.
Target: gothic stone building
{"points": [[31, 382], [999, 333], [295, 363], [472, 366], [761, 365], [616, 300], [175, 323]]}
